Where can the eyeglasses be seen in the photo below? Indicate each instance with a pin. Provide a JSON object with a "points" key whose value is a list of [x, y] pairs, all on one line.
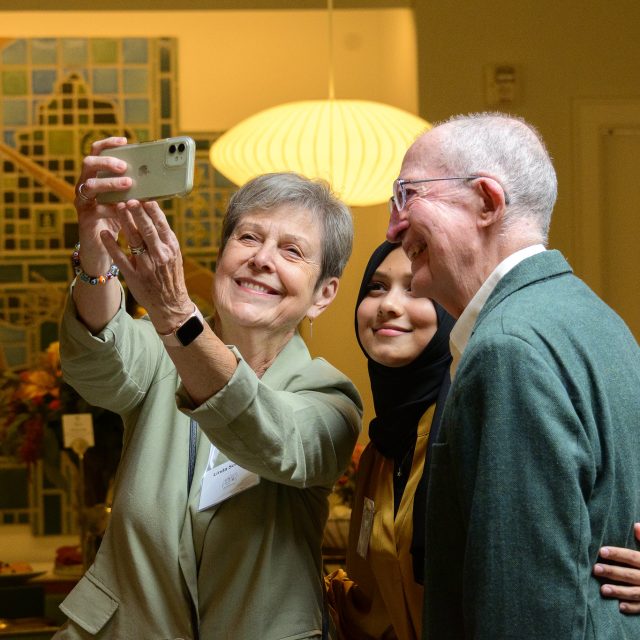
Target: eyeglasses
{"points": [[399, 198]]}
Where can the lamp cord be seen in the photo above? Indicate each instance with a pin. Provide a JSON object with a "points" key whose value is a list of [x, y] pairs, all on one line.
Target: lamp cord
{"points": [[331, 84], [330, 19]]}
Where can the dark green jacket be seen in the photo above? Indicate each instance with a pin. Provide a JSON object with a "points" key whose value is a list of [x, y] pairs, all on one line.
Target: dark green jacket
{"points": [[537, 465]]}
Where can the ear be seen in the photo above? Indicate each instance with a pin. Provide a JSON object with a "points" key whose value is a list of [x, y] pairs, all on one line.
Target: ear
{"points": [[323, 297], [493, 201]]}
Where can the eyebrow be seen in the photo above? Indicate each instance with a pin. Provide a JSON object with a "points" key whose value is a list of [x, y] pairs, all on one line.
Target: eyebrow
{"points": [[379, 274], [382, 275]]}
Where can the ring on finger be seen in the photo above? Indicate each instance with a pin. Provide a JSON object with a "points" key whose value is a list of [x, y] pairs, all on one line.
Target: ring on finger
{"points": [[138, 251], [82, 194]]}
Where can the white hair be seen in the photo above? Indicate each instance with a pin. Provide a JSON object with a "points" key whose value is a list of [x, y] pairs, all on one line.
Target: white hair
{"points": [[512, 151]]}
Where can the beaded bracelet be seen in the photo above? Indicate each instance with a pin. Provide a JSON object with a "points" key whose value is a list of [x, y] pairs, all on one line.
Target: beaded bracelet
{"points": [[85, 277]]}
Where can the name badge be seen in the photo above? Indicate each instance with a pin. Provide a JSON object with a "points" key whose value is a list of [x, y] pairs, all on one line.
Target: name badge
{"points": [[365, 528], [223, 481]]}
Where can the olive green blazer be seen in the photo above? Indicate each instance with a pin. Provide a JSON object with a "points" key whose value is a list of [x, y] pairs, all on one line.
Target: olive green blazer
{"points": [[251, 566]]}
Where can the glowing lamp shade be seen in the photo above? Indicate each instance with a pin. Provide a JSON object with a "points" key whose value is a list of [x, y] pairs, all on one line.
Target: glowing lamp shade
{"points": [[356, 145]]}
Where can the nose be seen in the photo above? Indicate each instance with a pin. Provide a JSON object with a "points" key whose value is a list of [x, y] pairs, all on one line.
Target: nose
{"points": [[398, 224], [263, 258], [389, 304]]}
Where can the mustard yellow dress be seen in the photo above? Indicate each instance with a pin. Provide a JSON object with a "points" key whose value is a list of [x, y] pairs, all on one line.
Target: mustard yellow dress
{"points": [[377, 597]]}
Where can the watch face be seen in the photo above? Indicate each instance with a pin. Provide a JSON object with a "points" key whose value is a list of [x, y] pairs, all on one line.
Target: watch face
{"points": [[190, 330]]}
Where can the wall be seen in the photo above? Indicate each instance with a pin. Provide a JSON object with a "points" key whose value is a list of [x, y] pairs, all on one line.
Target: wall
{"points": [[235, 63], [564, 52]]}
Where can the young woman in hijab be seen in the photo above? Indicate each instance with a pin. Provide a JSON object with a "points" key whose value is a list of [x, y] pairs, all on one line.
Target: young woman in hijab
{"points": [[406, 342]]}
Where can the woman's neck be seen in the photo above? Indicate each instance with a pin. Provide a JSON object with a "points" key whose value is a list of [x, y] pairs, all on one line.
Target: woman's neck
{"points": [[259, 347]]}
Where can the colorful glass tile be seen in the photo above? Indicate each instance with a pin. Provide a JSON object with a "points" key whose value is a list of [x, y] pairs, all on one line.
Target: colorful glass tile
{"points": [[104, 50], [61, 142], [43, 80], [74, 51], [105, 80], [15, 53], [135, 81], [136, 111], [14, 83], [44, 51], [134, 50]]}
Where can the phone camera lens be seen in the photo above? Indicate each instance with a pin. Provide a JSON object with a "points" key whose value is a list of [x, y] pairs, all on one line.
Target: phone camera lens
{"points": [[181, 147], [172, 148]]}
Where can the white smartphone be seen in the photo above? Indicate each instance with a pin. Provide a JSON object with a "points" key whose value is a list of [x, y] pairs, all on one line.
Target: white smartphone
{"points": [[159, 169]]}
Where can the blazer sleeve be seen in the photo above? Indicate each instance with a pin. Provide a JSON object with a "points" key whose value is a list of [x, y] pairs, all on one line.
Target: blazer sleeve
{"points": [[114, 368], [300, 435], [524, 470]]}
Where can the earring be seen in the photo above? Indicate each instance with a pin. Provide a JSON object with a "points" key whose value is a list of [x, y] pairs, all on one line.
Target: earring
{"points": [[310, 328]]}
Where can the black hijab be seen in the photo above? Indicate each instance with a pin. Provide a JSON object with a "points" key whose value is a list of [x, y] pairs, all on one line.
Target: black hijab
{"points": [[401, 395]]}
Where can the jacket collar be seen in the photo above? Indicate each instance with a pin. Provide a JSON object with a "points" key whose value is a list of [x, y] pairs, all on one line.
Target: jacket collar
{"points": [[541, 266]]}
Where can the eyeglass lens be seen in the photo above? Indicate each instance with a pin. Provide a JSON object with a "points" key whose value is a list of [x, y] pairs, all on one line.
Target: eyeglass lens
{"points": [[399, 195]]}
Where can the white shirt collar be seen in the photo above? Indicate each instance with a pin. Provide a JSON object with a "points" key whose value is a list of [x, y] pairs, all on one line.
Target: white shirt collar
{"points": [[461, 331]]}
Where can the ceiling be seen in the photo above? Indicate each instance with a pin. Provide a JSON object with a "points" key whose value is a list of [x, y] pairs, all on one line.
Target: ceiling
{"points": [[196, 5]]}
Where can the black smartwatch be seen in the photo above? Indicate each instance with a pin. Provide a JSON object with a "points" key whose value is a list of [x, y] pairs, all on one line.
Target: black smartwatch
{"points": [[185, 333]]}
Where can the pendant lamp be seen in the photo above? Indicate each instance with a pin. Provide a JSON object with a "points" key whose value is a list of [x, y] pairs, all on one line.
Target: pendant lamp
{"points": [[356, 145]]}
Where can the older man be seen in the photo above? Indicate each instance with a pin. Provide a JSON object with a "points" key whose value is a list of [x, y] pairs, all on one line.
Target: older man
{"points": [[538, 459]]}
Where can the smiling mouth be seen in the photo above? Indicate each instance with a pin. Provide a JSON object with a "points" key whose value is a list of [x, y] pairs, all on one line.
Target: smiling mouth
{"points": [[252, 285], [390, 330]]}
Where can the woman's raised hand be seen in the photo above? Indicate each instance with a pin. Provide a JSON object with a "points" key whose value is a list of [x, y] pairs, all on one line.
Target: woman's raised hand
{"points": [[153, 269], [93, 217]]}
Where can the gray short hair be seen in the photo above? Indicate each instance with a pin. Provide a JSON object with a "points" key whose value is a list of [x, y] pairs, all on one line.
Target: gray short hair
{"points": [[513, 151], [272, 190]]}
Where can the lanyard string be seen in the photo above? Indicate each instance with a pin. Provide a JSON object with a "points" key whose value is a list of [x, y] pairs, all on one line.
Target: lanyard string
{"points": [[193, 441]]}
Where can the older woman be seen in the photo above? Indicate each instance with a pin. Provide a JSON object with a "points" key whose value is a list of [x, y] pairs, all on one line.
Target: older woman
{"points": [[234, 436]]}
